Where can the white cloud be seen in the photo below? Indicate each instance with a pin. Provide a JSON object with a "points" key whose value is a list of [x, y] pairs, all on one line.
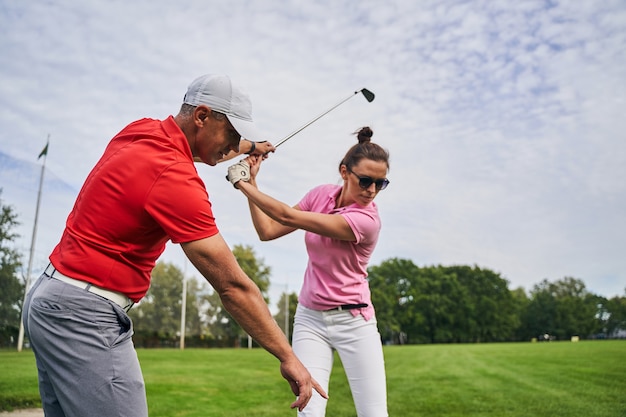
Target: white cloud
{"points": [[504, 120]]}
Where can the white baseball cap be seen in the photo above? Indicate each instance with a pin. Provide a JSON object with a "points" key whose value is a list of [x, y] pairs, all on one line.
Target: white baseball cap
{"points": [[219, 93]]}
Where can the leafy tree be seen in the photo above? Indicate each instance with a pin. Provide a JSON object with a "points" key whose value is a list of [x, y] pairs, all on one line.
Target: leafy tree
{"points": [[489, 304], [194, 325], [616, 310], [540, 316], [222, 325], [391, 285], [438, 298], [157, 317], [562, 309], [254, 267], [521, 302], [577, 308], [12, 293], [292, 303], [159, 310]]}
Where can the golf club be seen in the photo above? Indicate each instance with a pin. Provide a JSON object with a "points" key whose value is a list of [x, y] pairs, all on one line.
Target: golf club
{"points": [[369, 96]]}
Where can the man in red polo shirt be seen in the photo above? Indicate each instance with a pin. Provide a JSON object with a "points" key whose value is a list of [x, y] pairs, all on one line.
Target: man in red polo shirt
{"points": [[144, 191]]}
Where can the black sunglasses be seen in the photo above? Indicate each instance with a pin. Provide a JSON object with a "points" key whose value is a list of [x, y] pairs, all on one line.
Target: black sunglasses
{"points": [[366, 182]]}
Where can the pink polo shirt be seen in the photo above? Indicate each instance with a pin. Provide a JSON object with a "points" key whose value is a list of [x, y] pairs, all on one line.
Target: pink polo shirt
{"points": [[336, 273]]}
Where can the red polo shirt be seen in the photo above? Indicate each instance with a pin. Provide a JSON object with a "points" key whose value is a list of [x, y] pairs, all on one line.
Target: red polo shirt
{"points": [[144, 191]]}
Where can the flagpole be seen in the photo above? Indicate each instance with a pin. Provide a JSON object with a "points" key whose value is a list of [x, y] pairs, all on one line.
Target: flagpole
{"points": [[44, 153]]}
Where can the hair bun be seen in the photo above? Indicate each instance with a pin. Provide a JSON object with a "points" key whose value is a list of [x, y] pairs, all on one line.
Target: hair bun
{"points": [[364, 134]]}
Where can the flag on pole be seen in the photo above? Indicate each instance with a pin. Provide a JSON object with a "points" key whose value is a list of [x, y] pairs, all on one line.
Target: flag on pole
{"points": [[20, 335], [44, 151]]}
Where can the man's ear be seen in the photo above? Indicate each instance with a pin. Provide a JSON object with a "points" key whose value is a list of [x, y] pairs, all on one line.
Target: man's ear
{"points": [[201, 113]]}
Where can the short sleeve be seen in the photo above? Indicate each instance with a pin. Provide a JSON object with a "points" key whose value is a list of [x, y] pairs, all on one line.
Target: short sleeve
{"points": [[179, 203], [364, 224]]}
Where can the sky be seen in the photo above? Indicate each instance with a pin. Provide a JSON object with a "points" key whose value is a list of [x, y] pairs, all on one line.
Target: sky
{"points": [[505, 120]]}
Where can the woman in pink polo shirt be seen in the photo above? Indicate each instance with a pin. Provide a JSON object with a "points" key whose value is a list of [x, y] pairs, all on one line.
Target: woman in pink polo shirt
{"points": [[335, 309]]}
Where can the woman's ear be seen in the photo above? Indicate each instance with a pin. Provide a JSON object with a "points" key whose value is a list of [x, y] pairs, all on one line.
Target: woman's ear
{"points": [[343, 171]]}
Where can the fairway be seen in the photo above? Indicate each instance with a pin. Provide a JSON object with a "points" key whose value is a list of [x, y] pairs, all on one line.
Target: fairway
{"points": [[509, 379]]}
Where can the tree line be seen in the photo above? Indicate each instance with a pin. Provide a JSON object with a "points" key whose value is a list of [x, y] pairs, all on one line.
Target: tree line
{"points": [[469, 304], [430, 304]]}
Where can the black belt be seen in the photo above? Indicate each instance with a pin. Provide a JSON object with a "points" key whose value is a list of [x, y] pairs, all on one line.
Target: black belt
{"points": [[349, 307]]}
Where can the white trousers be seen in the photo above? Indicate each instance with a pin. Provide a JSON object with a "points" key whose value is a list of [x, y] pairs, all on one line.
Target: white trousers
{"points": [[317, 333]]}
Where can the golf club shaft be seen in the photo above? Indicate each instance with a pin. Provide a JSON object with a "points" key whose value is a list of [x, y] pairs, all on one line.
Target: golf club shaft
{"points": [[369, 96]]}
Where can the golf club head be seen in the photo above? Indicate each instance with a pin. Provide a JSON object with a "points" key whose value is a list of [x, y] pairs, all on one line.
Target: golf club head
{"points": [[369, 96]]}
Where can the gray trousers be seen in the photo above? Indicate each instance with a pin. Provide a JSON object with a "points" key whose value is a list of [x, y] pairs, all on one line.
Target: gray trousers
{"points": [[83, 346]]}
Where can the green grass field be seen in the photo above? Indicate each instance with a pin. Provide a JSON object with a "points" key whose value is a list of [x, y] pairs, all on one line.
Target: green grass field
{"points": [[510, 379]]}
